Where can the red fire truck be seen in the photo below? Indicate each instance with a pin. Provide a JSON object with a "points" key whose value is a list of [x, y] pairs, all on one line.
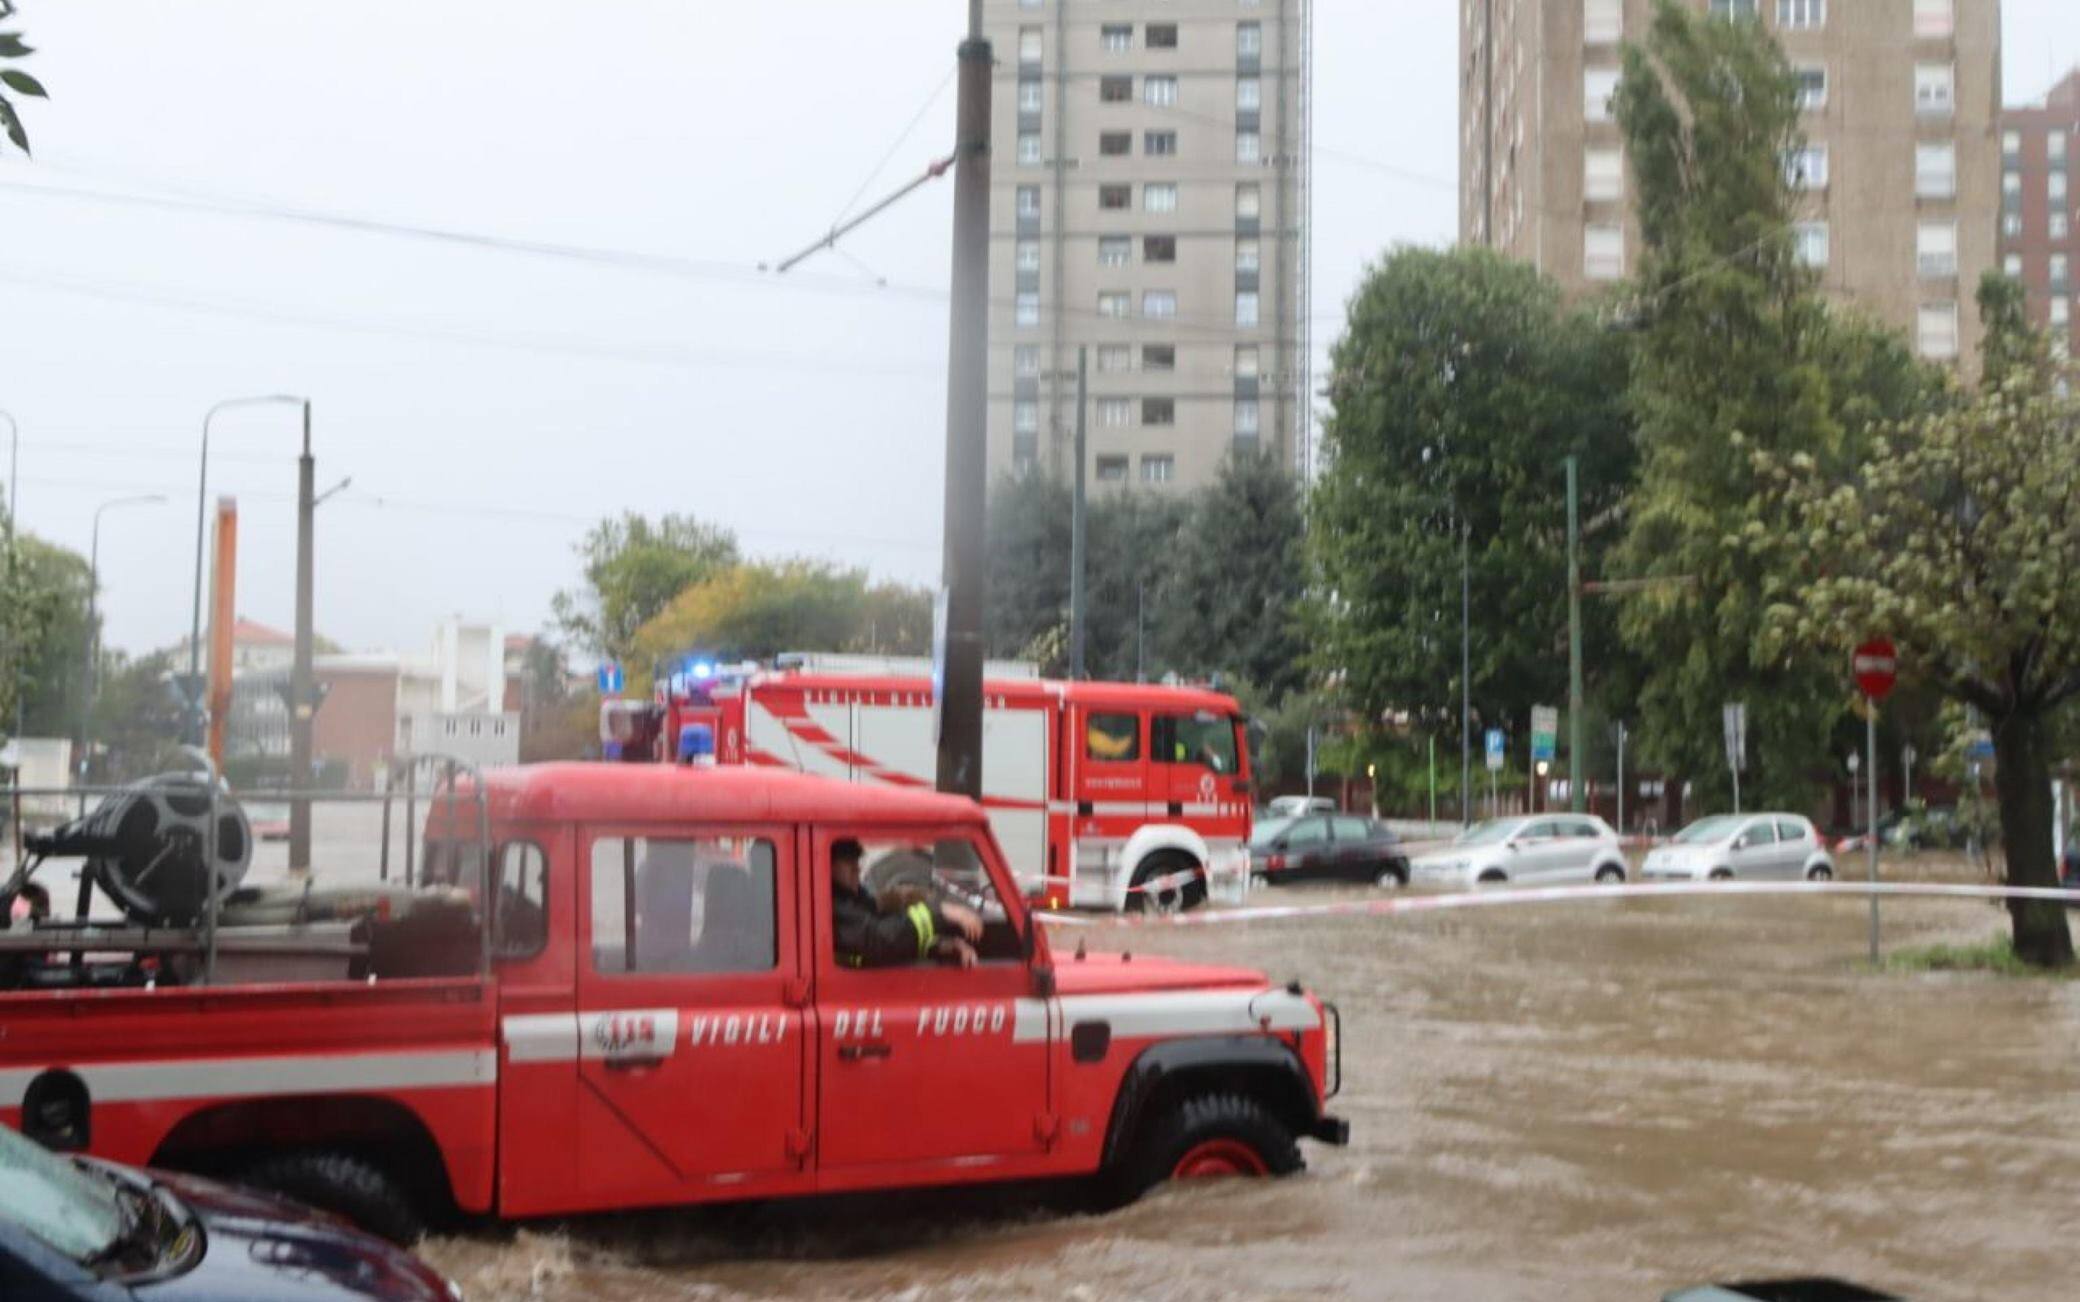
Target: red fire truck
{"points": [[608, 987], [1103, 795]]}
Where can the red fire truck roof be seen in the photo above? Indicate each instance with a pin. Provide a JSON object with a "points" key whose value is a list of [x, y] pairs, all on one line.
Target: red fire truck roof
{"points": [[1104, 695], [642, 793]]}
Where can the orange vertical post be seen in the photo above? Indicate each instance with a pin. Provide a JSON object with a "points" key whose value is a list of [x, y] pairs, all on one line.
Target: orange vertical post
{"points": [[223, 618]]}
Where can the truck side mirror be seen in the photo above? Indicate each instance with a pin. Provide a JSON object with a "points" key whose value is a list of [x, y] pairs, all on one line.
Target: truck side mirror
{"points": [[1043, 982]]}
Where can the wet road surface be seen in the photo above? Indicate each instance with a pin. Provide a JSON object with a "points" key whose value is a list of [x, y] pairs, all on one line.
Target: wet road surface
{"points": [[1597, 1101]]}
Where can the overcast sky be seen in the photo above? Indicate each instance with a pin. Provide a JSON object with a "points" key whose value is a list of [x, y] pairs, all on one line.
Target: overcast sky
{"points": [[489, 404]]}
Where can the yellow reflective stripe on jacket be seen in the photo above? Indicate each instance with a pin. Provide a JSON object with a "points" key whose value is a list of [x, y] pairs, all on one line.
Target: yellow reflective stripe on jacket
{"points": [[921, 919]]}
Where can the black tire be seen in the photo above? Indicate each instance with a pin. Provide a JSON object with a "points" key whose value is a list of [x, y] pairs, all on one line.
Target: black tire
{"points": [[1392, 875], [1161, 864], [1820, 872], [1609, 873], [1493, 877], [1201, 1119], [1721, 875], [343, 1184]]}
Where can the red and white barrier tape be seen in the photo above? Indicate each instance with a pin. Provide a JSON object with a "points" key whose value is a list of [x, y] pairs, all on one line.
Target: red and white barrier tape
{"points": [[1495, 897]]}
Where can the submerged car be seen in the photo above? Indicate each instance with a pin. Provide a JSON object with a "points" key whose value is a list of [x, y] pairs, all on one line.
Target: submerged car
{"points": [[1542, 849], [1754, 846], [1341, 846], [82, 1228], [1295, 806]]}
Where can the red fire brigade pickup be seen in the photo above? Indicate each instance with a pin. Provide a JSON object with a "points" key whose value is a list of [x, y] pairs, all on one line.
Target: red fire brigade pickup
{"points": [[651, 1012]]}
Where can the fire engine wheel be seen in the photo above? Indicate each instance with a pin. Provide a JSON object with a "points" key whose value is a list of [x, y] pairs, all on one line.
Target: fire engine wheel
{"points": [[1172, 896], [1211, 1135], [344, 1184]]}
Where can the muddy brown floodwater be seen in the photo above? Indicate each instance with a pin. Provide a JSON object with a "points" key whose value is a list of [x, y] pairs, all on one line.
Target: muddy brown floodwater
{"points": [[1588, 1101]]}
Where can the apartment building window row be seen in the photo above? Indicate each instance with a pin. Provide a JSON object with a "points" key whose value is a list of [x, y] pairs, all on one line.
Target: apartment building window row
{"points": [[2055, 146], [1603, 252], [1158, 468], [1603, 174], [1735, 9], [1160, 36], [1249, 148], [1246, 256], [1806, 168], [1936, 330], [1159, 304], [1029, 45], [1249, 94], [1028, 149], [1935, 250], [1603, 22], [1809, 244], [2059, 270], [1027, 256], [1801, 15], [1935, 171], [1249, 40], [2059, 226], [1116, 38], [1159, 144], [1159, 411], [1598, 86], [1159, 92], [1935, 89], [1935, 18], [1030, 96], [1812, 86], [1246, 308]]}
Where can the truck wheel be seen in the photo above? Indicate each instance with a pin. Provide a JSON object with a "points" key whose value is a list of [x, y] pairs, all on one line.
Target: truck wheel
{"points": [[343, 1184], [1209, 1135], [1175, 899]]}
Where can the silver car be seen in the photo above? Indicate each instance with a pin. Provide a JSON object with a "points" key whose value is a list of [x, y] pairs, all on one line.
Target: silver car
{"points": [[1759, 847], [1537, 849]]}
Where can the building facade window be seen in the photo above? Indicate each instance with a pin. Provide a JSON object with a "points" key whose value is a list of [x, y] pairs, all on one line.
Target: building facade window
{"points": [[1245, 307], [1598, 85], [1111, 469], [2011, 145], [1162, 36], [1934, 18], [1159, 304], [1115, 413], [1115, 357], [1116, 38], [1248, 147], [1158, 468], [2011, 223], [2011, 266], [1112, 144], [2055, 187], [2058, 271], [1935, 249], [1028, 149], [1113, 198], [1806, 169], [1159, 92], [1114, 304], [1025, 417], [1246, 361], [1731, 9], [1115, 90], [1603, 174], [1158, 411], [1029, 97], [1029, 201], [1027, 257], [1159, 248], [1812, 86], [2061, 310], [1809, 242], [1801, 15], [1159, 144], [1159, 357], [1245, 255], [1935, 89], [1249, 40], [1029, 45], [1603, 252], [1247, 417], [1936, 330], [1249, 200], [1159, 196], [1025, 361], [2060, 226], [2055, 145], [1603, 22], [1935, 171], [1025, 308], [1249, 94], [1115, 250]]}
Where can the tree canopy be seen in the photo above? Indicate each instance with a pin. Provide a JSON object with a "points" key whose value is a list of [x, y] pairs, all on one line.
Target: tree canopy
{"points": [[633, 568], [759, 609], [12, 49]]}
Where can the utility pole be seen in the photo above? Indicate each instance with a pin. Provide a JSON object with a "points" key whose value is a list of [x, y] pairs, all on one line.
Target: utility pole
{"points": [[1140, 630], [1576, 795], [1465, 680], [303, 705], [86, 693], [14, 489], [1077, 518], [967, 409]]}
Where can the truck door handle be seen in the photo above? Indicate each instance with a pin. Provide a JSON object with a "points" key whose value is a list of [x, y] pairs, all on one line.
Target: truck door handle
{"points": [[633, 1064], [856, 1052]]}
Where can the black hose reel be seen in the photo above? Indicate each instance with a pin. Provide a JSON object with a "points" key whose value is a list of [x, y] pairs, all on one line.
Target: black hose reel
{"points": [[148, 848]]}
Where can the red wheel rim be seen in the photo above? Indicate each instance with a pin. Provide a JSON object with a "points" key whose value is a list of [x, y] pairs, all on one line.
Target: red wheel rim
{"points": [[1217, 1157]]}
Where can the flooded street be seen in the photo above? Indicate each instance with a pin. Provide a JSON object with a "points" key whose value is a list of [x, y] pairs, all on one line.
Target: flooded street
{"points": [[1598, 1101]]}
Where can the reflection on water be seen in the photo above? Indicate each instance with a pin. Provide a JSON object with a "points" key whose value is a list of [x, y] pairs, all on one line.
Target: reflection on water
{"points": [[1582, 1102]]}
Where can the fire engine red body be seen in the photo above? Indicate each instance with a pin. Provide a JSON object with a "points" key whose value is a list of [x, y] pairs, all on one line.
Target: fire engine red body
{"points": [[1103, 795], [554, 1078]]}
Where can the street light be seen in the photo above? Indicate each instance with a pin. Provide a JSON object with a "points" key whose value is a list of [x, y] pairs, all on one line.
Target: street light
{"points": [[201, 499], [87, 684]]}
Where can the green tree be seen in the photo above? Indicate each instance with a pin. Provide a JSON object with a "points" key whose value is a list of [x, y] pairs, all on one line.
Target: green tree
{"points": [[1231, 601], [633, 569], [12, 48], [1735, 350], [1958, 536], [762, 608], [1459, 386], [43, 604], [137, 718]]}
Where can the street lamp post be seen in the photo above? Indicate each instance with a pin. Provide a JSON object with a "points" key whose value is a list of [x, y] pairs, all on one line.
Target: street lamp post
{"points": [[91, 668]]}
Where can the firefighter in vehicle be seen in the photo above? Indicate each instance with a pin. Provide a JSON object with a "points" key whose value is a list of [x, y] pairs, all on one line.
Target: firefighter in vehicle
{"points": [[909, 930]]}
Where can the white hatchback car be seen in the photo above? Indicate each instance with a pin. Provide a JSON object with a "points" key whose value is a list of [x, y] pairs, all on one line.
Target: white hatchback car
{"points": [[1757, 846], [1537, 849]]}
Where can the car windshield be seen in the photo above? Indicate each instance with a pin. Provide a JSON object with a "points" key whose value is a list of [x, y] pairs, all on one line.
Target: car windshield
{"points": [[74, 1212], [1716, 828], [1270, 830], [1488, 833]]}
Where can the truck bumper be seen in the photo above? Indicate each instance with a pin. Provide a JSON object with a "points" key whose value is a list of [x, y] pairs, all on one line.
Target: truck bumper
{"points": [[1331, 1130]]}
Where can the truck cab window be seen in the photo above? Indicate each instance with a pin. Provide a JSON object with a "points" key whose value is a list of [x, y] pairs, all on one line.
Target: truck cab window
{"points": [[683, 905], [900, 873], [520, 917], [1204, 738], [1113, 738]]}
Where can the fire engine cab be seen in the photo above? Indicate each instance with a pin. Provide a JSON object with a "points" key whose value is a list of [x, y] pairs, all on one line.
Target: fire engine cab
{"points": [[1103, 795], [595, 986]]}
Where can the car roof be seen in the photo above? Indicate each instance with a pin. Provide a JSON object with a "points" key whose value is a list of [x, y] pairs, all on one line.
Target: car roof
{"points": [[667, 793]]}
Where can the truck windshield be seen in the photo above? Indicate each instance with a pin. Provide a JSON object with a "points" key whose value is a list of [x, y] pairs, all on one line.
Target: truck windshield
{"points": [[1203, 738], [942, 869], [69, 1209]]}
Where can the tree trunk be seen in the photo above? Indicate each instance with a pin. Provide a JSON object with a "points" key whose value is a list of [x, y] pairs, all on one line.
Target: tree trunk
{"points": [[2023, 781]]}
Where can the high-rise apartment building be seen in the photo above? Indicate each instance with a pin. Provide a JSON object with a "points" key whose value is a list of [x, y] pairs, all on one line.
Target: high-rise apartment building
{"points": [[1149, 204], [2038, 246], [1899, 170]]}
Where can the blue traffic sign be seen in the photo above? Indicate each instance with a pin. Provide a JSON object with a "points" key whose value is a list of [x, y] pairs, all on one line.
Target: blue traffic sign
{"points": [[1497, 747], [609, 677]]}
